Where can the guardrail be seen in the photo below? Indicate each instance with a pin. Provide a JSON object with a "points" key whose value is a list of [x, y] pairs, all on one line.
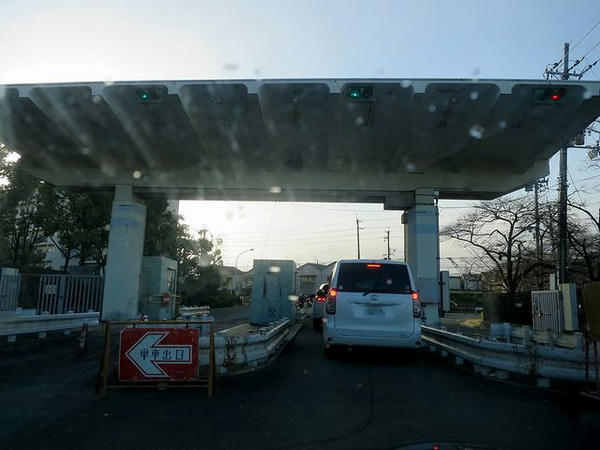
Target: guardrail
{"points": [[243, 352], [14, 324], [526, 358], [193, 311]]}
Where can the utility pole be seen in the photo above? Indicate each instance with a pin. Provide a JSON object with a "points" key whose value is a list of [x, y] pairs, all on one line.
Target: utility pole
{"points": [[387, 238], [563, 276], [358, 236]]}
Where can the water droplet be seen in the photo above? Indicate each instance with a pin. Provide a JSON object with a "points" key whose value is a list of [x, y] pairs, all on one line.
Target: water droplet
{"points": [[476, 131], [359, 120], [96, 99], [305, 371], [587, 94], [405, 83], [502, 124], [410, 167], [107, 227], [107, 170], [109, 81], [146, 179], [431, 108], [293, 298], [274, 269], [42, 182], [85, 151], [137, 174], [275, 190], [474, 95]]}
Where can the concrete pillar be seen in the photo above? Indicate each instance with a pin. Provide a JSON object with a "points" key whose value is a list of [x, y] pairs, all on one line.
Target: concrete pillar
{"points": [[422, 250], [124, 258]]}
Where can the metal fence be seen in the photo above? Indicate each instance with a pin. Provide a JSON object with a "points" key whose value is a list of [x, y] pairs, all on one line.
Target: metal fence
{"points": [[546, 311], [9, 292], [59, 294]]}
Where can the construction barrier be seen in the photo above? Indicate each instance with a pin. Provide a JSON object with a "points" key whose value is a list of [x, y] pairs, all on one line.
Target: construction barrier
{"points": [[158, 354]]}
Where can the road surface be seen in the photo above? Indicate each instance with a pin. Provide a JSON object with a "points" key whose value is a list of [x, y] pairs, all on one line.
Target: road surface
{"points": [[363, 399]]}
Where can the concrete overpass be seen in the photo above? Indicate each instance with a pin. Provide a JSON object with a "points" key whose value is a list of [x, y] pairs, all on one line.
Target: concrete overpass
{"points": [[403, 143]]}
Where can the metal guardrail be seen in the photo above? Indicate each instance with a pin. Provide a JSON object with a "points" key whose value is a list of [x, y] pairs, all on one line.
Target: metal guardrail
{"points": [[527, 358], [13, 325], [193, 311], [239, 352]]}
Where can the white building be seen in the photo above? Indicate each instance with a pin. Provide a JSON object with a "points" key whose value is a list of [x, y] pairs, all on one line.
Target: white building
{"points": [[234, 280], [310, 276]]}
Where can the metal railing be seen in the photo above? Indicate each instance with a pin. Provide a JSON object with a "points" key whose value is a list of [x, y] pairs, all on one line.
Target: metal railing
{"points": [[59, 294], [546, 310], [9, 292]]}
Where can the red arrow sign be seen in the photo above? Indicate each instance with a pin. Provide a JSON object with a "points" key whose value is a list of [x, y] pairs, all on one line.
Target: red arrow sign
{"points": [[148, 354]]}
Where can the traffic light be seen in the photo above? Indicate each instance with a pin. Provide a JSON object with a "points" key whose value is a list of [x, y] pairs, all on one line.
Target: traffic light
{"points": [[151, 95], [360, 92], [548, 96]]}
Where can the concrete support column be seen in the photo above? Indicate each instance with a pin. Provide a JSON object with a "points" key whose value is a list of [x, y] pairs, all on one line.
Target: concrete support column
{"points": [[422, 250], [124, 258]]}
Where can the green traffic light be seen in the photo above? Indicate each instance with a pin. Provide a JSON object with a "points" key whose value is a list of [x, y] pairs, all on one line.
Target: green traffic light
{"points": [[355, 93], [144, 96]]}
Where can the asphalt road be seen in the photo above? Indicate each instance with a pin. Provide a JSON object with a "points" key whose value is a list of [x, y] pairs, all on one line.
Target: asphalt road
{"points": [[362, 399]]}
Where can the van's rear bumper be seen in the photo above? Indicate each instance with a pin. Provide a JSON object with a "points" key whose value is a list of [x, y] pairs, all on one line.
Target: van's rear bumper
{"points": [[331, 337]]}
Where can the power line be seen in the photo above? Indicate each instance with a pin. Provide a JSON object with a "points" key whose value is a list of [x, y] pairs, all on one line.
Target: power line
{"points": [[586, 35], [556, 64]]}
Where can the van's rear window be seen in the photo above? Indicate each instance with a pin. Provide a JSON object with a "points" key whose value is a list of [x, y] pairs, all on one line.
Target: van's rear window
{"points": [[382, 278]]}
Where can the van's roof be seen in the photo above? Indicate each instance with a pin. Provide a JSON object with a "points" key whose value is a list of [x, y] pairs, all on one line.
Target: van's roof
{"points": [[369, 261]]}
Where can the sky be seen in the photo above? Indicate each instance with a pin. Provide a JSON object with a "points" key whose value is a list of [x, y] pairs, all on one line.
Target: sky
{"points": [[53, 41]]}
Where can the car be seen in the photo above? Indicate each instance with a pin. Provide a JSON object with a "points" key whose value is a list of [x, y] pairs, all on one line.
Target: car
{"points": [[372, 303], [318, 307]]}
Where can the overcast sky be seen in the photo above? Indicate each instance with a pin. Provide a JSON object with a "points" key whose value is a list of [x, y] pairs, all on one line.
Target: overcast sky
{"points": [[51, 41]]}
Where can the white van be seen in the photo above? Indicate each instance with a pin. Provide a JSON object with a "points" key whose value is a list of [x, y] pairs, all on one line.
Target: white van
{"points": [[372, 303]]}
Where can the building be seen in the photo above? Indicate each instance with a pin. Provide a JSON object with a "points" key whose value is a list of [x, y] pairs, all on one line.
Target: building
{"points": [[465, 282], [234, 280], [310, 276]]}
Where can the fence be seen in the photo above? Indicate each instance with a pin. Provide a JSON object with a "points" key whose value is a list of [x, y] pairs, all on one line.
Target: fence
{"points": [[547, 312], [59, 294], [9, 292]]}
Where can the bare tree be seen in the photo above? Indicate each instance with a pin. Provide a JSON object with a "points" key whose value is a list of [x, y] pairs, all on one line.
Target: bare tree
{"points": [[499, 231], [584, 239]]}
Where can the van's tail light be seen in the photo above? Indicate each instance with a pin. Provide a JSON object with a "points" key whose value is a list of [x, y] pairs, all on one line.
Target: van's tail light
{"points": [[330, 303], [320, 299], [417, 311]]}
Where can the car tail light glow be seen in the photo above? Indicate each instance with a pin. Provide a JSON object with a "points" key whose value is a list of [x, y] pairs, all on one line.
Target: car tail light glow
{"points": [[321, 299], [330, 303], [373, 266], [417, 312]]}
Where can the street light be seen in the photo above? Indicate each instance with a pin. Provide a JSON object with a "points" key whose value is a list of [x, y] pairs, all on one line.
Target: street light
{"points": [[238, 256]]}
